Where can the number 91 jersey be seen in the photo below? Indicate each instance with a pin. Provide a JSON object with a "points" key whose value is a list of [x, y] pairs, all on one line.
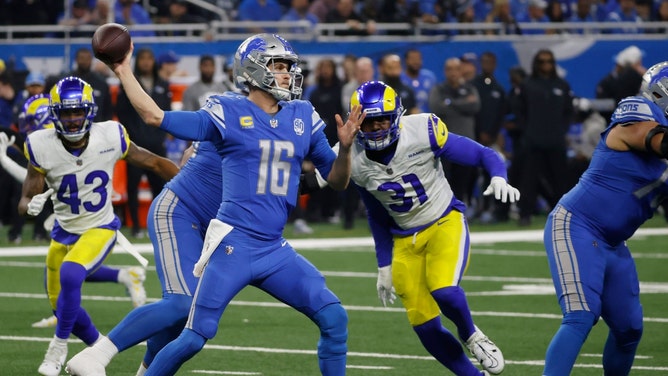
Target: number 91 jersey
{"points": [[82, 184], [412, 187]]}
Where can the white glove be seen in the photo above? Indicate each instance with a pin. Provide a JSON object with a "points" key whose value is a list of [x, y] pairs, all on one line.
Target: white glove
{"points": [[5, 142], [502, 190], [384, 285], [36, 205]]}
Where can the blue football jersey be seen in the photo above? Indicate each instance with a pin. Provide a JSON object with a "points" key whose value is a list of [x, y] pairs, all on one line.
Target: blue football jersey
{"points": [[621, 189], [261, 155], [203, 198]]}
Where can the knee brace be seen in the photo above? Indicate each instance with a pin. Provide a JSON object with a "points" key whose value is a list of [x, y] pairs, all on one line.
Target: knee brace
{"points": [[333, 323]]}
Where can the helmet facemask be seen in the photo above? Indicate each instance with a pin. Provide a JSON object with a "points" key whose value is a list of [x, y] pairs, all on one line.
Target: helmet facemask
{"points": [[380, 103], [70, 96]]}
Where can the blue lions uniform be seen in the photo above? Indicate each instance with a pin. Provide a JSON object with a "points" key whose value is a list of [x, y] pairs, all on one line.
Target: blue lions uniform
{"points": [[178, 218], [261, 160], [585, 237]]}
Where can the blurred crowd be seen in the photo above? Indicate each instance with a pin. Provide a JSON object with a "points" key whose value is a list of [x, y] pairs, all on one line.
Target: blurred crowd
{"points": [[359, 17], [546, 135]]}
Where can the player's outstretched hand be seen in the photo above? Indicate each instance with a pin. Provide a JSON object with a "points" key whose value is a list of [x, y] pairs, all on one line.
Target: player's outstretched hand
{"points": [[5, 142], [36, 205], [348, 131], [125, 63], [502, 190], [384, 285]]}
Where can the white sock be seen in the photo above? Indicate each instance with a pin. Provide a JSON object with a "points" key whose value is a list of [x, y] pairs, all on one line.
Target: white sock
{"points": [[122, 276], [60, 341], [142, 370], [104, 350]]}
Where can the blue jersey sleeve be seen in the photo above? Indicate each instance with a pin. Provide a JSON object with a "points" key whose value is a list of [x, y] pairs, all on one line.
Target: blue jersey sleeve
{"points": [[380, 223], [190, 125], [463, 150]]}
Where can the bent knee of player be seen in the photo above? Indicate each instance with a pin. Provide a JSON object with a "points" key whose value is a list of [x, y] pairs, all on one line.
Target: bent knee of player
{"points": [[581, 320], [205, 321], [333, 323]]}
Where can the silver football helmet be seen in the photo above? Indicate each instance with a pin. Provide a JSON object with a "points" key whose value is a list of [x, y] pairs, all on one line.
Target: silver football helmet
{"points": [[251, 65], [655, 85]]}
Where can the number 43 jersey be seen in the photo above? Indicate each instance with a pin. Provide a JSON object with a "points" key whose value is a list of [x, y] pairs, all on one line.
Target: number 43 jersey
{"points": [[412, 187], [83, 183]]}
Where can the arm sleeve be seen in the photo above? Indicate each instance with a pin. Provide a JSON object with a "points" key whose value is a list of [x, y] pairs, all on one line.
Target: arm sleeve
{"points": [[188, 125], [14, 169], [379, 223], [464, 151]]}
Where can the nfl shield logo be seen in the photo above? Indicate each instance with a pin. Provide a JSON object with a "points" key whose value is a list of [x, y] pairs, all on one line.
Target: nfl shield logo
{"points": [[299, 127], [273, 123], [229, 249], [79, 162]]}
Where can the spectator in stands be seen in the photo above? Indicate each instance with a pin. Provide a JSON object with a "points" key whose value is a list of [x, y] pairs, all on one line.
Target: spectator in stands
{"points": [[178, 13], [399, 11], [10, 189], [464, 13], [456, 102], [102, 96], [194, 97], [502, 13], [168, 66], [79, 15], [624, 80], [390, 70], [101, 13], [589, 124], [535, 13], [130, 13], [555, 11], [625, 13], [348, 66], [662, 16], [583, 13], [34, 84], [34, 12], [488, 122], [469, 66], [147, 137], [364, 71], [545, 108], [345, 13], [299, 11], [420, 79], [259, 10], [321, 7], [326, 99]]}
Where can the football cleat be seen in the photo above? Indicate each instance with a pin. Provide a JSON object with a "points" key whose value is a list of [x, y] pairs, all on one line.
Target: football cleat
{"points": [[47, 322], [133, 279], [486, 352], [54, 359], [85, 364]]}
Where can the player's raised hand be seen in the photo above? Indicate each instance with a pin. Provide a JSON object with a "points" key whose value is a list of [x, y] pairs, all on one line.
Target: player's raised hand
{"points": [[5, 142], [348, 131], [36, 205], [502, 190], [384, 285]]}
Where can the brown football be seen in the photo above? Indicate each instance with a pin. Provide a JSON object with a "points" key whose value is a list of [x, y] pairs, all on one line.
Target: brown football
{"points": [[111, 42]]}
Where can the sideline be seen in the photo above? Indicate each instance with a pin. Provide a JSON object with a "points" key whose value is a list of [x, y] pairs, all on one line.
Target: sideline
{"points": [[486, 237]]}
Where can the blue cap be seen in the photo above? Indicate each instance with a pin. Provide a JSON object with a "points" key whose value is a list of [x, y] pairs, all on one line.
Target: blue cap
{"points": [[168, 57], [35, 78]]}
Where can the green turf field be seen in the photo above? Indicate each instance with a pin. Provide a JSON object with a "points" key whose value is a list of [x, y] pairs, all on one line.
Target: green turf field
{"points": [[507, 283]]}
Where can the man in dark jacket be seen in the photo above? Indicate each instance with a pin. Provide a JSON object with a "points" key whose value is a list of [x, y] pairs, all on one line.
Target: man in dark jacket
{"points": [[545, 108]]}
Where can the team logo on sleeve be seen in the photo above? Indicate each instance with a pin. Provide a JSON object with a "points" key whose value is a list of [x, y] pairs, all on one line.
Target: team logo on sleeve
{"points": [[246, 121], [299, 126]]}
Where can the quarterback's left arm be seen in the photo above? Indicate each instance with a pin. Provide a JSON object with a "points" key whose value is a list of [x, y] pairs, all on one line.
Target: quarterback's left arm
{"points": [[140, 157], [339, 175]]}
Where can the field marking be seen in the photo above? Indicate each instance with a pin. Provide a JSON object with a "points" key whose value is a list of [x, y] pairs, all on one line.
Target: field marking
{"points": [[242, 303], [350, 354], [208, 372], [344, 244]]}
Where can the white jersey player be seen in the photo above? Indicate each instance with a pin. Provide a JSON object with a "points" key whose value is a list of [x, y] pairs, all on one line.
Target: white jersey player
{"points": [[420, 232], [76, 159]]}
